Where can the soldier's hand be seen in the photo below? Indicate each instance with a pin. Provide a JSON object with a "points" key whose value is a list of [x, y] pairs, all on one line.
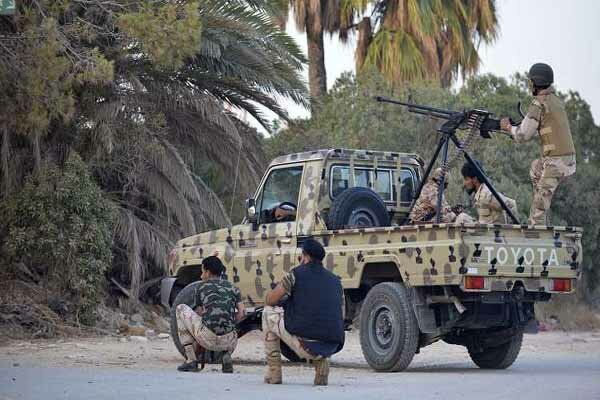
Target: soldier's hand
{"points": [[457, 209], [505, 124]]}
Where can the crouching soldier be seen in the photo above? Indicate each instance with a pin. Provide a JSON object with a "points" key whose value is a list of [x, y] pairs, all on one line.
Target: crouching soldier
{"points": [[211, 327], [311, 322]]}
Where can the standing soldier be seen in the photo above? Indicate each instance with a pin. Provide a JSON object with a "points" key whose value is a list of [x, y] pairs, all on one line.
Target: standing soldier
{"points": [[212, 325], [488, 208], [547, 118], [311, 322]]}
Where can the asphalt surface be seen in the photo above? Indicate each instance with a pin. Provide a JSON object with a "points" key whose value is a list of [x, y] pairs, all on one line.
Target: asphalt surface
{"points": [[534, 376]]}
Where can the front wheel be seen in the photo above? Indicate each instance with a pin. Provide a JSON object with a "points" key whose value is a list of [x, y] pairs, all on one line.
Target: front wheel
{"points": [[389, 332], [497, 357]]}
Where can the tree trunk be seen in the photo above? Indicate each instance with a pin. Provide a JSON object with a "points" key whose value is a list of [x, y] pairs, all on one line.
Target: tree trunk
{"points": [[37, 154], [365, 35], [6, 181], [317, 76]]}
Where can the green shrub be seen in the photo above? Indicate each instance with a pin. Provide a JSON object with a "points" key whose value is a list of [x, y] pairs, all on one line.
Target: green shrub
{"points": [[60, 226]]}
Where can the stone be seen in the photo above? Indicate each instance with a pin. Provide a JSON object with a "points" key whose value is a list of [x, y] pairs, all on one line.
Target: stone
{"points": [[163, 336], [150, 333], [137, 318], [140, 339]]}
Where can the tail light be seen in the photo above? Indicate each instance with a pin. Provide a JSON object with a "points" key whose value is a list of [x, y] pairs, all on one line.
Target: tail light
{"points": [[561, 285], [474, 282]]}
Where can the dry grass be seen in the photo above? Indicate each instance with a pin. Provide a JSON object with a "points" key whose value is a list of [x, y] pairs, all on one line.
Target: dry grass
{"points": [[568, 313]]}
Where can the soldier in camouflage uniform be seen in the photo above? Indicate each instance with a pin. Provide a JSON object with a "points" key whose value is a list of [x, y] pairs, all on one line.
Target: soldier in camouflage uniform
{"points": [[489, 209], [212, 325], [547, 119], [425, 207]]}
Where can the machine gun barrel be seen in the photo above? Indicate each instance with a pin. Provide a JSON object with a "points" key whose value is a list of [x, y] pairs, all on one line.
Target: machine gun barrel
{"points": [[419, 109]]}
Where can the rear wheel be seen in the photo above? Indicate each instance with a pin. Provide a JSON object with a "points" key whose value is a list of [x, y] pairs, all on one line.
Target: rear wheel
{"points": [[389, 333], [497, 357]]}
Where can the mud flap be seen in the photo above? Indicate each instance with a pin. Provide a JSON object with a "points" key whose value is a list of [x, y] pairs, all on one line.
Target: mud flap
{"points": [[425, 314], [531, 328]]}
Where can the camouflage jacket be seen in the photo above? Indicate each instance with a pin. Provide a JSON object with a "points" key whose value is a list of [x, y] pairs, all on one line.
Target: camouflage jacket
{"points": [[489, 209], [219, 299], [424, 209]]}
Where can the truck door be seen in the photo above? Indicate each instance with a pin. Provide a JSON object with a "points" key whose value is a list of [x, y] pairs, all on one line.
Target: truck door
{"points": [[263, 256]]}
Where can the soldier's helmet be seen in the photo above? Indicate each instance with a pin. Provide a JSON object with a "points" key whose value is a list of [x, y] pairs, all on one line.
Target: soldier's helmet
{"points": [[541, 74], [436, 175]]}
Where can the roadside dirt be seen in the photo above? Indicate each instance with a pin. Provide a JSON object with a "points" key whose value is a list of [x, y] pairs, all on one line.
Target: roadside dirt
{"points": [[140, 353]]}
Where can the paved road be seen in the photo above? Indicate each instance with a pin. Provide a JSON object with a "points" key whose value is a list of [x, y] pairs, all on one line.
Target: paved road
{"points": [[534, 376]]}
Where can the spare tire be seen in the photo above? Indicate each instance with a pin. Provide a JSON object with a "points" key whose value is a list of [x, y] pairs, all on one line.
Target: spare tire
{"points": [[357, 207]]}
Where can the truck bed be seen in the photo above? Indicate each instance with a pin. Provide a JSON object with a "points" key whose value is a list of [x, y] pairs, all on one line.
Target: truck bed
{"points": [[444, 254]]}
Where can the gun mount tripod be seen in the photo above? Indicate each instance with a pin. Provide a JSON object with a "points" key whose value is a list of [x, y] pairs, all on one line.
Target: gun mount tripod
{"points": [[476, 120]]}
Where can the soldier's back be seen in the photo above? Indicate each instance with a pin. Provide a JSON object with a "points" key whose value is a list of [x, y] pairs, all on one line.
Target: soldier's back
{"points": [[219, 299]]}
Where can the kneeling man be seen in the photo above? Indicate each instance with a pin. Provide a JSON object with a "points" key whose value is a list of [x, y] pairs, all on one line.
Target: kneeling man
{"points": [[311, 322], [211, 327]]}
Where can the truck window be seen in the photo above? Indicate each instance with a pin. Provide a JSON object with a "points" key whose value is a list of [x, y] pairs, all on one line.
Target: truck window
{"points": [[383, 182], [340, 179], [282, 186], [408, 186]]}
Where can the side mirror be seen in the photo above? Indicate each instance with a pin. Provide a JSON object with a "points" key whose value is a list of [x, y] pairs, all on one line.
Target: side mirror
{"points": [[251, 215]]}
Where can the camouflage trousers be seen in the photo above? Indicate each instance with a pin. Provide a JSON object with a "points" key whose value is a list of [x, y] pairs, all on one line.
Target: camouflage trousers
{"points": [[546, 173], [274, 329], [193, 334]]}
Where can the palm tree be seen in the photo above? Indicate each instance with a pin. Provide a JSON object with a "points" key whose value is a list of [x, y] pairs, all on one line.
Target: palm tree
{"points": [[435, 39], [315, 17], [147, 133]]}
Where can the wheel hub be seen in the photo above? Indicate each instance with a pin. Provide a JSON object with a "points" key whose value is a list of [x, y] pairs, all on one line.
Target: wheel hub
{"points": [[383, 327], [362, 218]]}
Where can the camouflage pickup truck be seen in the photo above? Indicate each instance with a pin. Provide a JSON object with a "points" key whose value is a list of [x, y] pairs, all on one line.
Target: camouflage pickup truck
{"points": [[406, 286]]}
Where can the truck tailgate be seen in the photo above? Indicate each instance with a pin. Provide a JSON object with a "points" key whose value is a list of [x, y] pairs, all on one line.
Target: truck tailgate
{"points": [[533, 256]]}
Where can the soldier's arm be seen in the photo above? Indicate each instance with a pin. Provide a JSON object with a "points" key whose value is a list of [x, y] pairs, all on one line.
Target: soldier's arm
{"points": [[240, 305], [490, 201], [283, 288], [529, 126], [494, 204]]}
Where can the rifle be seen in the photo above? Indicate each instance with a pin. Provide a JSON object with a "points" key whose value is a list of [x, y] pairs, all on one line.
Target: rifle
{"points": [[467, 119]]}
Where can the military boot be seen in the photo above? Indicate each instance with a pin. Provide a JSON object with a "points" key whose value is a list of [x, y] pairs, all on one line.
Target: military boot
{"points": [[191, 364], [273, 352], [321, 371], [227, 364]]}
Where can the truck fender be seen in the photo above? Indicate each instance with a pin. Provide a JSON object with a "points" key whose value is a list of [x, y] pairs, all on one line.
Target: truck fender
{"points": [[381, 259]]}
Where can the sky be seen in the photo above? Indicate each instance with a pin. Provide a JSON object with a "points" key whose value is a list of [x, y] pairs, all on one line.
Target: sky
{"points": [[564, 34]]}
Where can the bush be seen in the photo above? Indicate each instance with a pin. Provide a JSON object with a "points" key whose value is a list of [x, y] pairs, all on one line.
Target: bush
{"points": [[59, 226]]}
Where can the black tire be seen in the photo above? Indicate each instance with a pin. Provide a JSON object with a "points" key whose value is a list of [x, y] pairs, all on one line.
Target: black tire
{"points": [[497, 357], [290, 354], [389, 332], [357, 207], [187, 295]]}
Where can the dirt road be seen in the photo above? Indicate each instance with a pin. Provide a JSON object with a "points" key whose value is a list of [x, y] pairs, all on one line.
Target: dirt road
{"points": [[552, 365]]}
